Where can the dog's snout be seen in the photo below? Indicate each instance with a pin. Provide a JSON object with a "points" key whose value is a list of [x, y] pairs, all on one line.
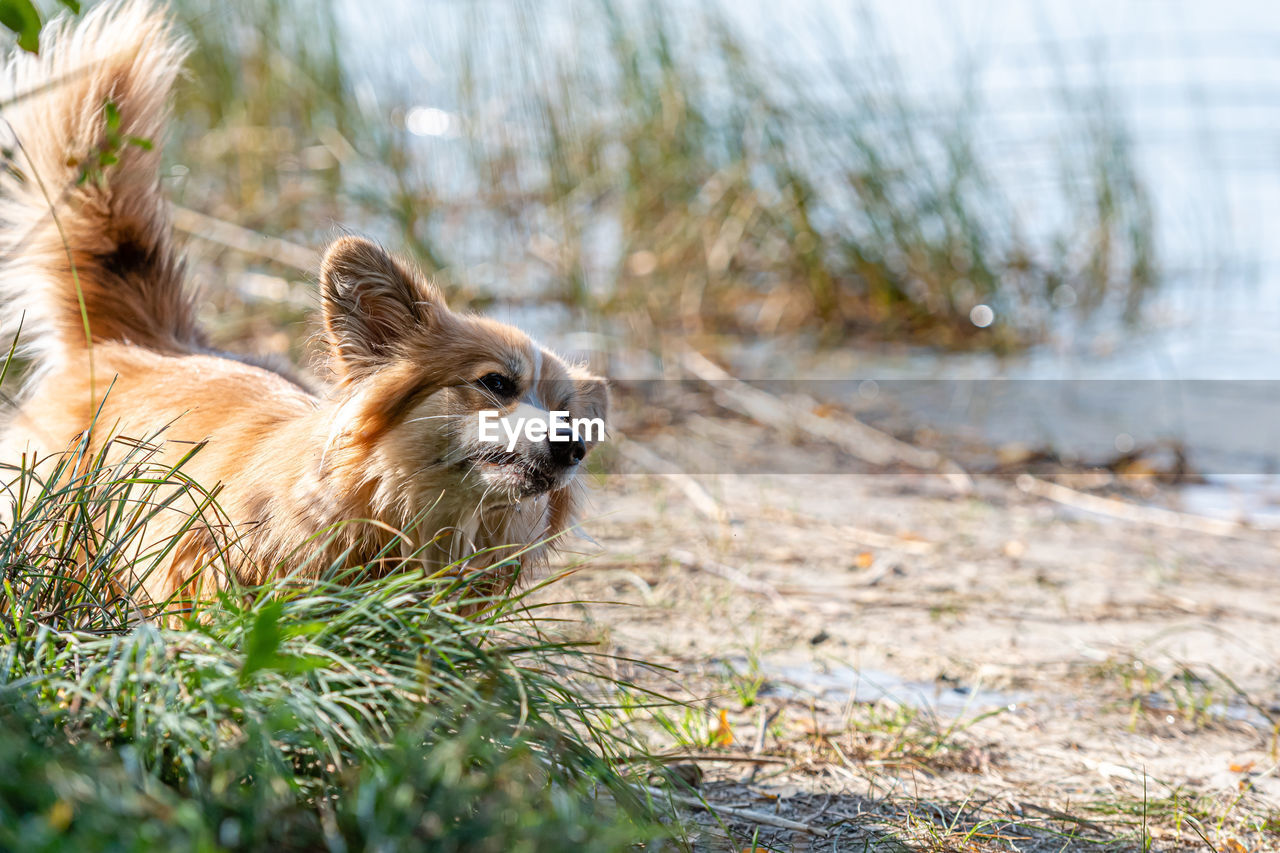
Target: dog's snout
{"points": [[567, 449]]}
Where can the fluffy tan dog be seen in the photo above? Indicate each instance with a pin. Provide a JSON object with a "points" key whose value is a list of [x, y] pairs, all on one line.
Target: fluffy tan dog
{"points": [[392, 445]]}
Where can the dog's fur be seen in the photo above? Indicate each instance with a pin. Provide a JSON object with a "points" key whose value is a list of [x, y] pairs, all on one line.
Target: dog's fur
{"points": [[390, 445]]}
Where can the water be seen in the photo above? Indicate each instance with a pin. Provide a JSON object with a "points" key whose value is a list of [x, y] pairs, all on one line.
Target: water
{"points": [[1196, 85], [840, 685]]}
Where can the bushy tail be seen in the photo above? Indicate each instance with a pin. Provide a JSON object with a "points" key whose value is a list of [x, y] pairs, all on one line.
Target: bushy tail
{"points": [[81, 213]]}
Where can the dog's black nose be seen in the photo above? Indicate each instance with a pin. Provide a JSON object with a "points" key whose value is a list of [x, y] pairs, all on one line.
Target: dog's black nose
{"points": [[568, 452]]}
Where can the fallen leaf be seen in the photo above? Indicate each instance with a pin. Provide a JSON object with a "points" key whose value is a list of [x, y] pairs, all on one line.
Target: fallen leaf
{"points": [[1243, 768], [723, 734]]}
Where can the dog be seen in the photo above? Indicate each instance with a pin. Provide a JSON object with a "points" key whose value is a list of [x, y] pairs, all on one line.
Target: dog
{"points": [[388, 458]]}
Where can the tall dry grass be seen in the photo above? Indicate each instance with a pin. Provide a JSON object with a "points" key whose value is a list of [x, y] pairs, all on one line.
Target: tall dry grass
{"points": [[649, 169]]}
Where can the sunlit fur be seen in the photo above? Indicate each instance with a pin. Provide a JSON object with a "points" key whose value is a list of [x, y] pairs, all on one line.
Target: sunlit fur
{"points": [[388, 446]]}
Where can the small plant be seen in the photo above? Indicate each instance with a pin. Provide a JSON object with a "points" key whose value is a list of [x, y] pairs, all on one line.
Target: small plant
{"points": [[1180, 694], [899, 734], [687, 727], [107, 153], [22, 18], [746, 685]]}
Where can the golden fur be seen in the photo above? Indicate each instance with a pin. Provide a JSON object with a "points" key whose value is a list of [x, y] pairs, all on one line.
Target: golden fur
{"points": [[390, 445]]}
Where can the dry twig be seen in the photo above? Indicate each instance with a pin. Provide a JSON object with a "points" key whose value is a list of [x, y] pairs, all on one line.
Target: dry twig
{"points": [[750, 815], [1136, 513], [651, 463], [737, 577], [842, 430], [232, 236]]}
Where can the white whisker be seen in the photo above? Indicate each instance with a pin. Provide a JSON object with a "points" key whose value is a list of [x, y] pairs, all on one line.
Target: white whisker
{"points": [[433, 418]]}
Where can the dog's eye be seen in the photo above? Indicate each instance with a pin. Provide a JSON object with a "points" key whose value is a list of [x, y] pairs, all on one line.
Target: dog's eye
{"points": [[497, 384]]}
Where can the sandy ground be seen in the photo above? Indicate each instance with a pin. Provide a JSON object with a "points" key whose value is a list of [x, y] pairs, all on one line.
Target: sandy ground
{"points": [[889, 662]]}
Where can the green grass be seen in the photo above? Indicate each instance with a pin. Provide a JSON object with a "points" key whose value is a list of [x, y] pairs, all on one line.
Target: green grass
{"points": [[348, 713], [1198, 820]]}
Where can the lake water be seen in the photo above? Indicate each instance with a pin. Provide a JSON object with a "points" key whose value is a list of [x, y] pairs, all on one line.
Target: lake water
{"points": [[1197, 86]]}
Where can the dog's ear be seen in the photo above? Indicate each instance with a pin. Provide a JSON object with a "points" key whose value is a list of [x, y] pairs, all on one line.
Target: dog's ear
{"points": [[372, 305], [591, 396]]}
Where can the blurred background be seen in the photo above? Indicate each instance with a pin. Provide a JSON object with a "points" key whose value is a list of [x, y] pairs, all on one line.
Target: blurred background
{"points": [[983, 188], [1053, 180], [938, 190]]}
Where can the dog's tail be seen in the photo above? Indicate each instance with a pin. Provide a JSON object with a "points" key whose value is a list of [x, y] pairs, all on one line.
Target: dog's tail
{"points": [[85, 245]]}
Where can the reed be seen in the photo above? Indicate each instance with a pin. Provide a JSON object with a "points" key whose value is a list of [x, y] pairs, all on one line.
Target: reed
{"points": [[649, 168]]}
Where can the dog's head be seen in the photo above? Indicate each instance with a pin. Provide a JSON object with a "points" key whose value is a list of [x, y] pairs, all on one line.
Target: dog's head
{"points": [[450, 405]]}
